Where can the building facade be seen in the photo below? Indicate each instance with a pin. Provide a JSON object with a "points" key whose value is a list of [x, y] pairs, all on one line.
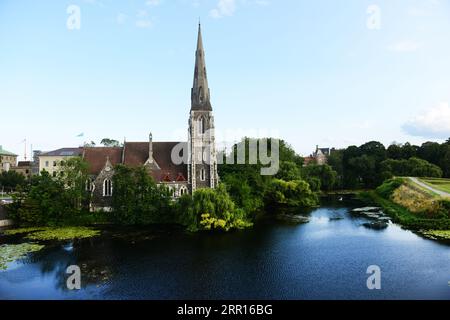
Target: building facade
{"points": [[23, 168], [8, 160], [319, 156], [181, 166], [51, 161]]}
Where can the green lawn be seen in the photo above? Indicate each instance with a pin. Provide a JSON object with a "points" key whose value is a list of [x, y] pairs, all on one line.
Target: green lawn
{"points": [[440, 184]]}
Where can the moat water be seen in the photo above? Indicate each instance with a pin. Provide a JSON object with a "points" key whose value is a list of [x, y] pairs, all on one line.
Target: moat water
{"points": [[326, 258]]}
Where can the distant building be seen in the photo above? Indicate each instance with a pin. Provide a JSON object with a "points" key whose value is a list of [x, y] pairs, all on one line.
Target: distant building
{"points": [[35, 163], [23, 167], [7, 160], [319, 156], [51, 161]]}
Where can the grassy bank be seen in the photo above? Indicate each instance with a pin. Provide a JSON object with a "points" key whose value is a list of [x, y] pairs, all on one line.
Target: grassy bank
{"points": [[412, 207], [440, 184], [403, 216]]}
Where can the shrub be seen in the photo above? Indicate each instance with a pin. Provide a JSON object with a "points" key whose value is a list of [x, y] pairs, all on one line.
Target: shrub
{"points": [[212, 209], [290, 193], [388, 187]]}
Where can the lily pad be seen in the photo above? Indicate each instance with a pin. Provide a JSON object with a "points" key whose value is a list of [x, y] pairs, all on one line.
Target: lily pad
{"points": [[437, 234], [12, 232], [66, 233], [12, 252]]}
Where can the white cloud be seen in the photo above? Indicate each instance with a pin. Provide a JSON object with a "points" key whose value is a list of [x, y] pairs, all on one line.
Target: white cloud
{"points": [[405, 46], [144, 23], [433, 123], [152, 3], [262, 2], [143, 19], [121, 18], [224, 8]]}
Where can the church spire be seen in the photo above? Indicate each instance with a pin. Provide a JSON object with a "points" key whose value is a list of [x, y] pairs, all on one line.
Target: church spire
{"points": [[200, 90]]}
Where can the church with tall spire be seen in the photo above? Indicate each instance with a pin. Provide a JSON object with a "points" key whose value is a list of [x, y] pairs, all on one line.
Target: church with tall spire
{"points": [[198, 166], [202, 169]]}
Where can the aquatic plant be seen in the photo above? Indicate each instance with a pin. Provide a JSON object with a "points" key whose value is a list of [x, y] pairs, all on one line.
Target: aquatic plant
{"points": [[12, 252], [437, 234], [12, 232], [64, 233]]}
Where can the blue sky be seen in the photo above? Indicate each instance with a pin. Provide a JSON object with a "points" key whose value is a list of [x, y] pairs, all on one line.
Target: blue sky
{"points": [[311, 72]]}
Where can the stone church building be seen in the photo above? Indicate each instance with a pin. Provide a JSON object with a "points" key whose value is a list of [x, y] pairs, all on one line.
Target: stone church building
{"points": [[198, 168]]}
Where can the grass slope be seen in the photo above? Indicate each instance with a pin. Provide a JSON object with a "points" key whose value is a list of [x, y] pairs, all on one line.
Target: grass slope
{"points": [[440, 184]]}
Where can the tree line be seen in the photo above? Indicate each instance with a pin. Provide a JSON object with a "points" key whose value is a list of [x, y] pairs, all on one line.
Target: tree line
{"points": [[243, 192], [368, 165]]}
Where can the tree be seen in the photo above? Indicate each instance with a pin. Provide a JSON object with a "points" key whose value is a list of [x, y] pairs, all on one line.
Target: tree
{"points": [[394, 151], [412, 167], [364, 169], [290, 194], [444, 161], [325, 173], [110, 142], [74, 175], [11, 180], [89, 144], [335, 160], [409, 151], [214, 209], [137, 200], [288, 171], [422, 168], [54, 200], [374, 149], [47, 203], [430, 151]]}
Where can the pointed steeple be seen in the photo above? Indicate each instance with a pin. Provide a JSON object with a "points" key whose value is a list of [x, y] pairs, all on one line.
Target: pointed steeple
{"points": [[200, 99]]}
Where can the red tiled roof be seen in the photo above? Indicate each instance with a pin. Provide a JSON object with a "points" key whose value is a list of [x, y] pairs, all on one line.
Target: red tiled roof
{"points": [[136, 154], [96, 157]]}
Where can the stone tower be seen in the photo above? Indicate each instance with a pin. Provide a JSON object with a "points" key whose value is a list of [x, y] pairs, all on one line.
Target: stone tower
{"points": [[202, 168]]}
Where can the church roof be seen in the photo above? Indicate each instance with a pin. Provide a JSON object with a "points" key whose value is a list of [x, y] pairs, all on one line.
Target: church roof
{"points": [[200, 99], [97, 156], [137, 153]]}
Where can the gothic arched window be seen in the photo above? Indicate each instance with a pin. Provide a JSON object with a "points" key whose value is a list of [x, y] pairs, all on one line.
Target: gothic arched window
{"points": [[183, 190], [107, 188], [90, 185], [201, 125], [202, 175], [200, 95]]}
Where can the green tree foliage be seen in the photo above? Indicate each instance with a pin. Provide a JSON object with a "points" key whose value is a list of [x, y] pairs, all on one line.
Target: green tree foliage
{"points": [[335, 161], [11, 180], [53, 200], [137, 200], [248, 188], [388, 187], [414, 167], [110, 142], [47, 203], [290, 193], [74, 175], [211, 209], [370, 164], [324, 173], [89, 144], [289, 171]]}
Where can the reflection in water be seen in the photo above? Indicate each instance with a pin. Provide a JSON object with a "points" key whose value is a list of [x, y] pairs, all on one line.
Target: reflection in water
{"points": [[326, 258]]}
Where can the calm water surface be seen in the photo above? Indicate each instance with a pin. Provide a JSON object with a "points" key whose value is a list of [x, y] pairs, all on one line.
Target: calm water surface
{"points": [[324, 259]]}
